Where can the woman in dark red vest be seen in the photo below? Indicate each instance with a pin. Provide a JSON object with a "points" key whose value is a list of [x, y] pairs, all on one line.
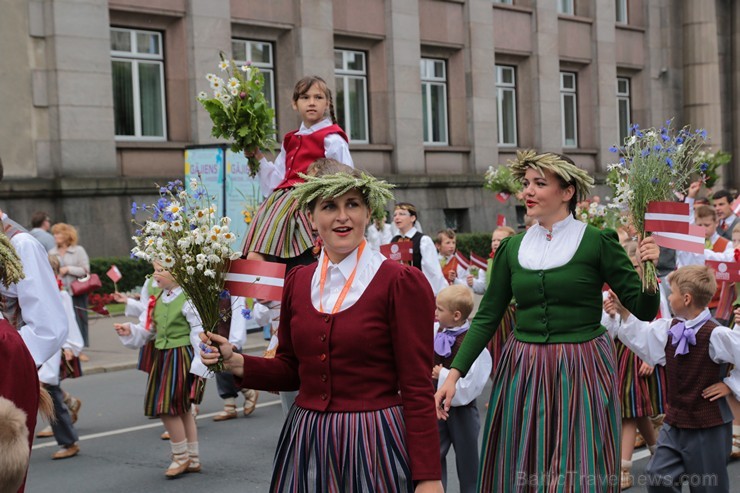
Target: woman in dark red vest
{"points": [[280, 231]]}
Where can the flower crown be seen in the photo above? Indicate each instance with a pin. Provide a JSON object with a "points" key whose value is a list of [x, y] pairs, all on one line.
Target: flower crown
{"points": [[569, 172], [11, 270], [376, 192]]}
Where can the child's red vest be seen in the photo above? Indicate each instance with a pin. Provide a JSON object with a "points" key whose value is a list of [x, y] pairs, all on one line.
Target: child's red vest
{"points": [[302, 150]]}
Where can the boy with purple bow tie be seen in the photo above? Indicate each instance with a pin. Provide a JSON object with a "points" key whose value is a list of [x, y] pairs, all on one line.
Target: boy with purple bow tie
{"points": [[695, 440], [461, 430]]}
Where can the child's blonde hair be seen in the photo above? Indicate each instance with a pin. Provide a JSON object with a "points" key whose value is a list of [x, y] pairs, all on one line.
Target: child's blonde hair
{"points": [[704, 211], [736, 228], [457, 298], [506, 229], [446, 233], [55, 265], [14, 444], [303, 86], [696, 280]]}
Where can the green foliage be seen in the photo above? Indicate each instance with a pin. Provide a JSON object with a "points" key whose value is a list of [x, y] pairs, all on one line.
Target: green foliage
{"points": [[501, 180], [134, 271], [479, 243], [710, 163]]}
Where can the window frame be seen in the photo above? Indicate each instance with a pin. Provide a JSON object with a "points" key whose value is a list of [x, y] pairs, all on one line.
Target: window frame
{"points": [[501, 88], [624, 96], [427, 81], [505, 2], [622, 6], [134, 58], [346, 74], [566, 7], [568, 93], [262, 66]]}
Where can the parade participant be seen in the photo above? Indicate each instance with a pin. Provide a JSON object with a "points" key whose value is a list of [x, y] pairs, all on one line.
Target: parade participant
{"points": [[349, 343], [461, 429], [175, 380], [280, 230], [480, 283], [696, 437], [726, 218], [642, 386], [446, 244], [378, 232], [425, 254], [545, 427]]}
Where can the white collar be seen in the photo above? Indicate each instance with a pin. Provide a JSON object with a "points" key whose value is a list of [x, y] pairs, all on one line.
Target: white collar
{"points": [[326, 122], [703, 316], [408, 233], [466, 325], [347, 265], [557, 227], [729, 219]]}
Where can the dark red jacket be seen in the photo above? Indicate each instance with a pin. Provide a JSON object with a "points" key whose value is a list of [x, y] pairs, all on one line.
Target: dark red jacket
{"points": [[375, 354]]}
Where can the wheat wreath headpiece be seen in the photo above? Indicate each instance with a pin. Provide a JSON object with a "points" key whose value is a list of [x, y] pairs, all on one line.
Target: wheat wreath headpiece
{"points": [[569, 172]]}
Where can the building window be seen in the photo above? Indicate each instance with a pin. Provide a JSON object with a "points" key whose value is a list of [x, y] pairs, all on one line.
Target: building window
{"points": [[434, 100], [138, 84], [506, 104], [565, 7], [508, 2], [259, 53], [621, 11], [569, 106], [350, 71], [623, 108]]}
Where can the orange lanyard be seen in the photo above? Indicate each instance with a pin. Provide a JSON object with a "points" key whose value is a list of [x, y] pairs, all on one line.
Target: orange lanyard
{"points": [[345, 289]]}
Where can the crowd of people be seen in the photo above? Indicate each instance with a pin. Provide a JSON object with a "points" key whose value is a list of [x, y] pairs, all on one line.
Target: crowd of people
{"points": [[379, 362]]}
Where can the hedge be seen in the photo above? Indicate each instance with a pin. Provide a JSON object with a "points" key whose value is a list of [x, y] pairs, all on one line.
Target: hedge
{"points": [[134, 272], [480, 243]]}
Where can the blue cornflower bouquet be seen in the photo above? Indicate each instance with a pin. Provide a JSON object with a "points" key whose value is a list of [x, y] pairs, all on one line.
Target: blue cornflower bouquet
{"points": [[654, 165], [186, 237]]}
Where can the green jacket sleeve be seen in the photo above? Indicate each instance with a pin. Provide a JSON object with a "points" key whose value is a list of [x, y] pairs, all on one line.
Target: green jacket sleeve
{"points": [[492, 308], [618, 272]]}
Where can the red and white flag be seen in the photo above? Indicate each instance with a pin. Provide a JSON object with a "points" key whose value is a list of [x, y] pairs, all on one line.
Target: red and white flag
{"points": [[255, 279], [736, 206], [462, 260], [725, 271], [500, 220], [114, 274], [503, 196], [667, 217], [478, 261], [692, 242]]}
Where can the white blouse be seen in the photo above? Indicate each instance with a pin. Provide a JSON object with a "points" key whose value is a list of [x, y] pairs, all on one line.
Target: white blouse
{"points": [[537, 252]]}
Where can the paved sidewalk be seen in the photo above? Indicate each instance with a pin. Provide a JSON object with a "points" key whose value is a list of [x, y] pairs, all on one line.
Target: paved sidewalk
{"points": [[108, 354]]}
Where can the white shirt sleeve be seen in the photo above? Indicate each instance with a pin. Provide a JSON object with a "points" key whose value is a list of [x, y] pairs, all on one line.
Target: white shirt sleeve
{"points": [[335, 147], [471, 385], [430, 265], [196, 327], [728, 255], [611, 323], [646, 339], [479, 283], [74, 341], [38, 297], [724, 347], [272, 174], [135, 307], [462, 276], [238, 329]]}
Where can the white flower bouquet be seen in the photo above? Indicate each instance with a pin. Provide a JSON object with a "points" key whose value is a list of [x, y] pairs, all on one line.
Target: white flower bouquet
{"points": [[239, 110], [184, 235], [654, 164]]}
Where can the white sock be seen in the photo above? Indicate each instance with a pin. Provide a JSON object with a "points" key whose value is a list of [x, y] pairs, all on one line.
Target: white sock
{"points": [[735, 429], [652, 448], [179, 451], [193, 453], [230, 401], [626, 464]]}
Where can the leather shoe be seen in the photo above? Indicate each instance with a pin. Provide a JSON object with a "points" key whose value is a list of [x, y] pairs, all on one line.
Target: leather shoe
{"points": [[177, 468], [45, 433], [165, 435], [66, 452], [250, 401], [228, 413]]}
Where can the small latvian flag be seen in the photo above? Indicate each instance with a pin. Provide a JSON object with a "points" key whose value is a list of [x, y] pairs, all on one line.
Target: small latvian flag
{"points": [[500, 220], [462, 260], [255, 279], [478, 261], [114, 274], [667, 217], [725, 271], [503, 196], [736, 206], [692, 242]]}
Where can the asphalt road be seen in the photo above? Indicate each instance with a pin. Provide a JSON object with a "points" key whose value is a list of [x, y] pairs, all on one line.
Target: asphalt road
{"points": [[121, 450]]}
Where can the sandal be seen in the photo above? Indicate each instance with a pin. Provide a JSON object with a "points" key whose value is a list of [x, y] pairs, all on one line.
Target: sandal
{"points": [[625, 478], [735, 454], [228, 413], [250, 401]]}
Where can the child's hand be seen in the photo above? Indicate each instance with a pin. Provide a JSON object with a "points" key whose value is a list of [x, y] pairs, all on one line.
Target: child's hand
{"points": [[120, 297], [610, 307], [451, 276], [737, 314], [123, 329], [645, 370], [623, 312], [694, 189], [435, 372], [470, 281], [716, 391], [68, 355]]}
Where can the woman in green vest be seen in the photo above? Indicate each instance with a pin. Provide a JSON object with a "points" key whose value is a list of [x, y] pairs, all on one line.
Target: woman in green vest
{"points": [[553, 420], [176, 374]]}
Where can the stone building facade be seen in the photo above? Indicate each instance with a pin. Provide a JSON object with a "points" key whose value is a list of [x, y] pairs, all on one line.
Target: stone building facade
{"points": [[435, 91]]}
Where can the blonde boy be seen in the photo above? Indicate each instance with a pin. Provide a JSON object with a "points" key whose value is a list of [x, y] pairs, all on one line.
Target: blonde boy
{"points": [[461, 430], [446, 243], [696, 438]]}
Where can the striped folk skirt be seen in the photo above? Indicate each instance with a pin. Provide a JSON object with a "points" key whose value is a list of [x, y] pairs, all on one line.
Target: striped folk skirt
{"points": [[497, 342], [171, 388], [335, 452], [553, 422], [279, 228], [639, 396]]}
